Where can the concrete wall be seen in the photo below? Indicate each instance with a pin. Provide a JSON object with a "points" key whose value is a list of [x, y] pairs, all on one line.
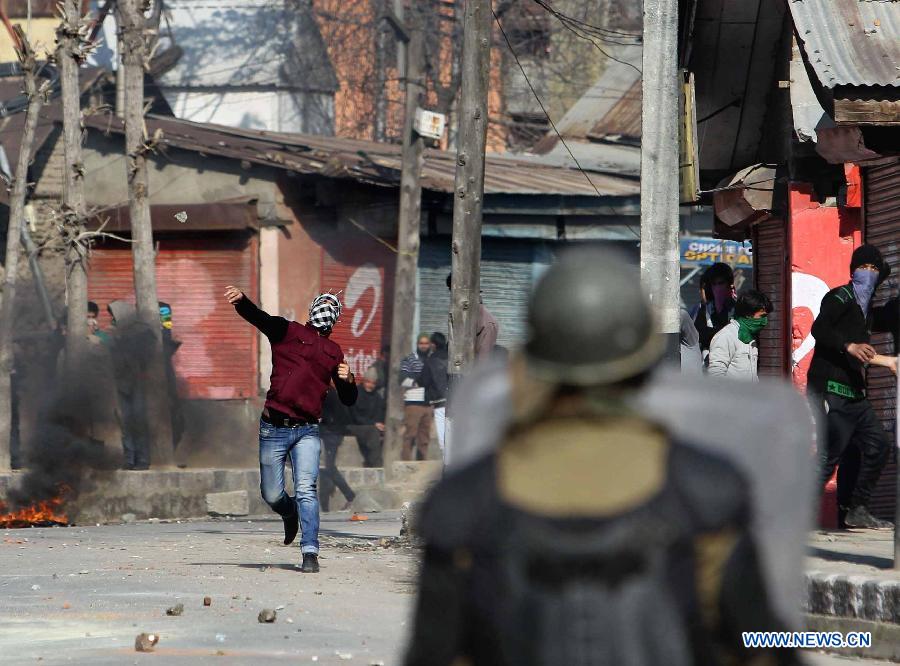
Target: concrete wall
{"points": [[275, 110], [178, 176]]}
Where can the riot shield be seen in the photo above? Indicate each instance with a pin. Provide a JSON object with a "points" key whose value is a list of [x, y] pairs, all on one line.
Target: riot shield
{"points": [[765, 429]]}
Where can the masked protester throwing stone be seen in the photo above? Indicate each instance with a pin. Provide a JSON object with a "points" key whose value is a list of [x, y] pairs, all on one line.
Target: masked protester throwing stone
{"points": [[837, 382], [304, 364], [591, 536]]}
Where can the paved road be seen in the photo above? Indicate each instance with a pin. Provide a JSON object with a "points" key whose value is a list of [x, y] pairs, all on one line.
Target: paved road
{"points": [[81, 595]]}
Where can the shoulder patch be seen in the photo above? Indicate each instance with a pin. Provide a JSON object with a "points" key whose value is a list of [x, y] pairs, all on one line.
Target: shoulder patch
{"points": [[845, 294]]}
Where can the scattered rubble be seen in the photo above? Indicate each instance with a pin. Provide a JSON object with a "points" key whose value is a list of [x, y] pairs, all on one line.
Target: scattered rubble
{"points": [[175, 610], [146, 642], [267, 615]]}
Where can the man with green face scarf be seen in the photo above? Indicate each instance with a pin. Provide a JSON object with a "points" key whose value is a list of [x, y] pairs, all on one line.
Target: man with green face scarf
{"points": [[734, 352]]}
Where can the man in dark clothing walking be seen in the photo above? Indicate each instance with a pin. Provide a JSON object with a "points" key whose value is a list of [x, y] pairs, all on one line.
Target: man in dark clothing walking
{"points": [[417, 416], [333, 428], [367, 420], [131, 351], [837, 381], [305, 361], [435, 381]]}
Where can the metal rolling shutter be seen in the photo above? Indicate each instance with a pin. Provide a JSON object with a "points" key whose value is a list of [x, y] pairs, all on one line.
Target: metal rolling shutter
{"points": [[218, 357], [433, 297], [770, 270], [509, 269], [362, 271], [881, 192]]}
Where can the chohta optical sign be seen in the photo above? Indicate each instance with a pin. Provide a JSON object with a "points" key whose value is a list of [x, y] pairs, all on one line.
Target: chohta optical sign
{"points": [[708, 251]]}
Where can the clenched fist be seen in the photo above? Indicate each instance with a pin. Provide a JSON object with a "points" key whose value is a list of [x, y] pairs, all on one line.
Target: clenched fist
{"points": [[233, 294], [343, 372]]}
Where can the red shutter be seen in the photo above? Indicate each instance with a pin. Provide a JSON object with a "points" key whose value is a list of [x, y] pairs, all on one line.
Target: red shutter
{"points": [[218, 358], [770, 269], [362, 270], [881, 194]]}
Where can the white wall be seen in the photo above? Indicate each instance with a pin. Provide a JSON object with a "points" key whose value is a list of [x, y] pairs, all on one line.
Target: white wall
{"points": [[272, 110]]}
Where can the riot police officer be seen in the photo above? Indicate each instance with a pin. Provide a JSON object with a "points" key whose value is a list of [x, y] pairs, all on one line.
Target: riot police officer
{"points": [[590, 536]]}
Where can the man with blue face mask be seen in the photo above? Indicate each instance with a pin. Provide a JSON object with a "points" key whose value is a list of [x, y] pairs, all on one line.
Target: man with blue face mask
{"points": [[837, 382]]}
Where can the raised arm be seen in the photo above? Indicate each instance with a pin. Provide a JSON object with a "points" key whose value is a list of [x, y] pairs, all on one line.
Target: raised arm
{"points": [[274, 328]]}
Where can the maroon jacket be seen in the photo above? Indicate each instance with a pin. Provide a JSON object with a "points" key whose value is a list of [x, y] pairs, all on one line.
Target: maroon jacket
{"points": [[304, 364]]}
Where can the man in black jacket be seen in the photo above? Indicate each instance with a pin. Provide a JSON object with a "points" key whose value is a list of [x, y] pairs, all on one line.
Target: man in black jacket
{"points": [[837, 381], [367, 420], [435, 381]]}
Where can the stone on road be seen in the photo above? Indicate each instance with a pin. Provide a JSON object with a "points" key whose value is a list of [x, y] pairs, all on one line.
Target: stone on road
{"points": [[358, 605]]}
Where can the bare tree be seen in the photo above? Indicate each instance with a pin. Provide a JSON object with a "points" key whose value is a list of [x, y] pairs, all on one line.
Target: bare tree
{"points": [[35, 95], [72, 50], [135, 35]]}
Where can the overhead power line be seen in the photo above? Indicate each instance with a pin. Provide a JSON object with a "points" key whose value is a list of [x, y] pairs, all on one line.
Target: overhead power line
{"points": [[549, 119]]}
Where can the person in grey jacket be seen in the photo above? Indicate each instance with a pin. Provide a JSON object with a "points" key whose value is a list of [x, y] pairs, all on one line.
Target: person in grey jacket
{"points": [[734, 352]]}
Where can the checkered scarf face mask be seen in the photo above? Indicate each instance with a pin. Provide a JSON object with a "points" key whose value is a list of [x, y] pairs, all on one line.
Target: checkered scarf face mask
{"points": [[324, 311]]}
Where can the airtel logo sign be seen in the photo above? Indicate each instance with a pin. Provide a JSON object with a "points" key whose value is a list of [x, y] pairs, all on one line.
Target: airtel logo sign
{"points": [[364, 278]]}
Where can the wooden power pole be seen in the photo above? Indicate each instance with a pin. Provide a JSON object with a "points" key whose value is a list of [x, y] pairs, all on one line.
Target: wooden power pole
{"points": [[469, 188], [134, 27], [660, 258], [29, 66], [407, 238], [71, 53]]}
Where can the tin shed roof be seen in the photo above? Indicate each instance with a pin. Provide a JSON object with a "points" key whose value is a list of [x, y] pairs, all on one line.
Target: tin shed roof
{"points": [[850, 42], [367, 161]]}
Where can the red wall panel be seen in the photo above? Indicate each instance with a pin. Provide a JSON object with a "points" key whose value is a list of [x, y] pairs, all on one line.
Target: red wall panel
{"points": [[218, 358], [361, 269], [822, 240]]}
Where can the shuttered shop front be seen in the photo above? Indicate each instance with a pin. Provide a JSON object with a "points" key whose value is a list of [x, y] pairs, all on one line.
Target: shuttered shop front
{"points": [[509, 269], [770, 269], [881, 208], [218, 357]]}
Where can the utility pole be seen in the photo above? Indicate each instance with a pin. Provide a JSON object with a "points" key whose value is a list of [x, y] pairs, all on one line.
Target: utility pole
{"points": [[407, 237], [29, 66], [71, 53], [469, 187], [133, 34], [660, 261]]}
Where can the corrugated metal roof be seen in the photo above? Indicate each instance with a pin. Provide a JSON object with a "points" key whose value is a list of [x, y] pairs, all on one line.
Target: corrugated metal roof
{"points": [[850, 42], [368, 161], [12, 126], [624, 118], [596, 124], [611, 103]]}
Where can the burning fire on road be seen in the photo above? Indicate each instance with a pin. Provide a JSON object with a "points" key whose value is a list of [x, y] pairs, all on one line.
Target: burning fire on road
{"points": [[44, 513]]}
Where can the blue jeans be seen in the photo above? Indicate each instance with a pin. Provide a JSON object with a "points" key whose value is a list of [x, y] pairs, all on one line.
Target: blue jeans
{"points": [[302, 443]]}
